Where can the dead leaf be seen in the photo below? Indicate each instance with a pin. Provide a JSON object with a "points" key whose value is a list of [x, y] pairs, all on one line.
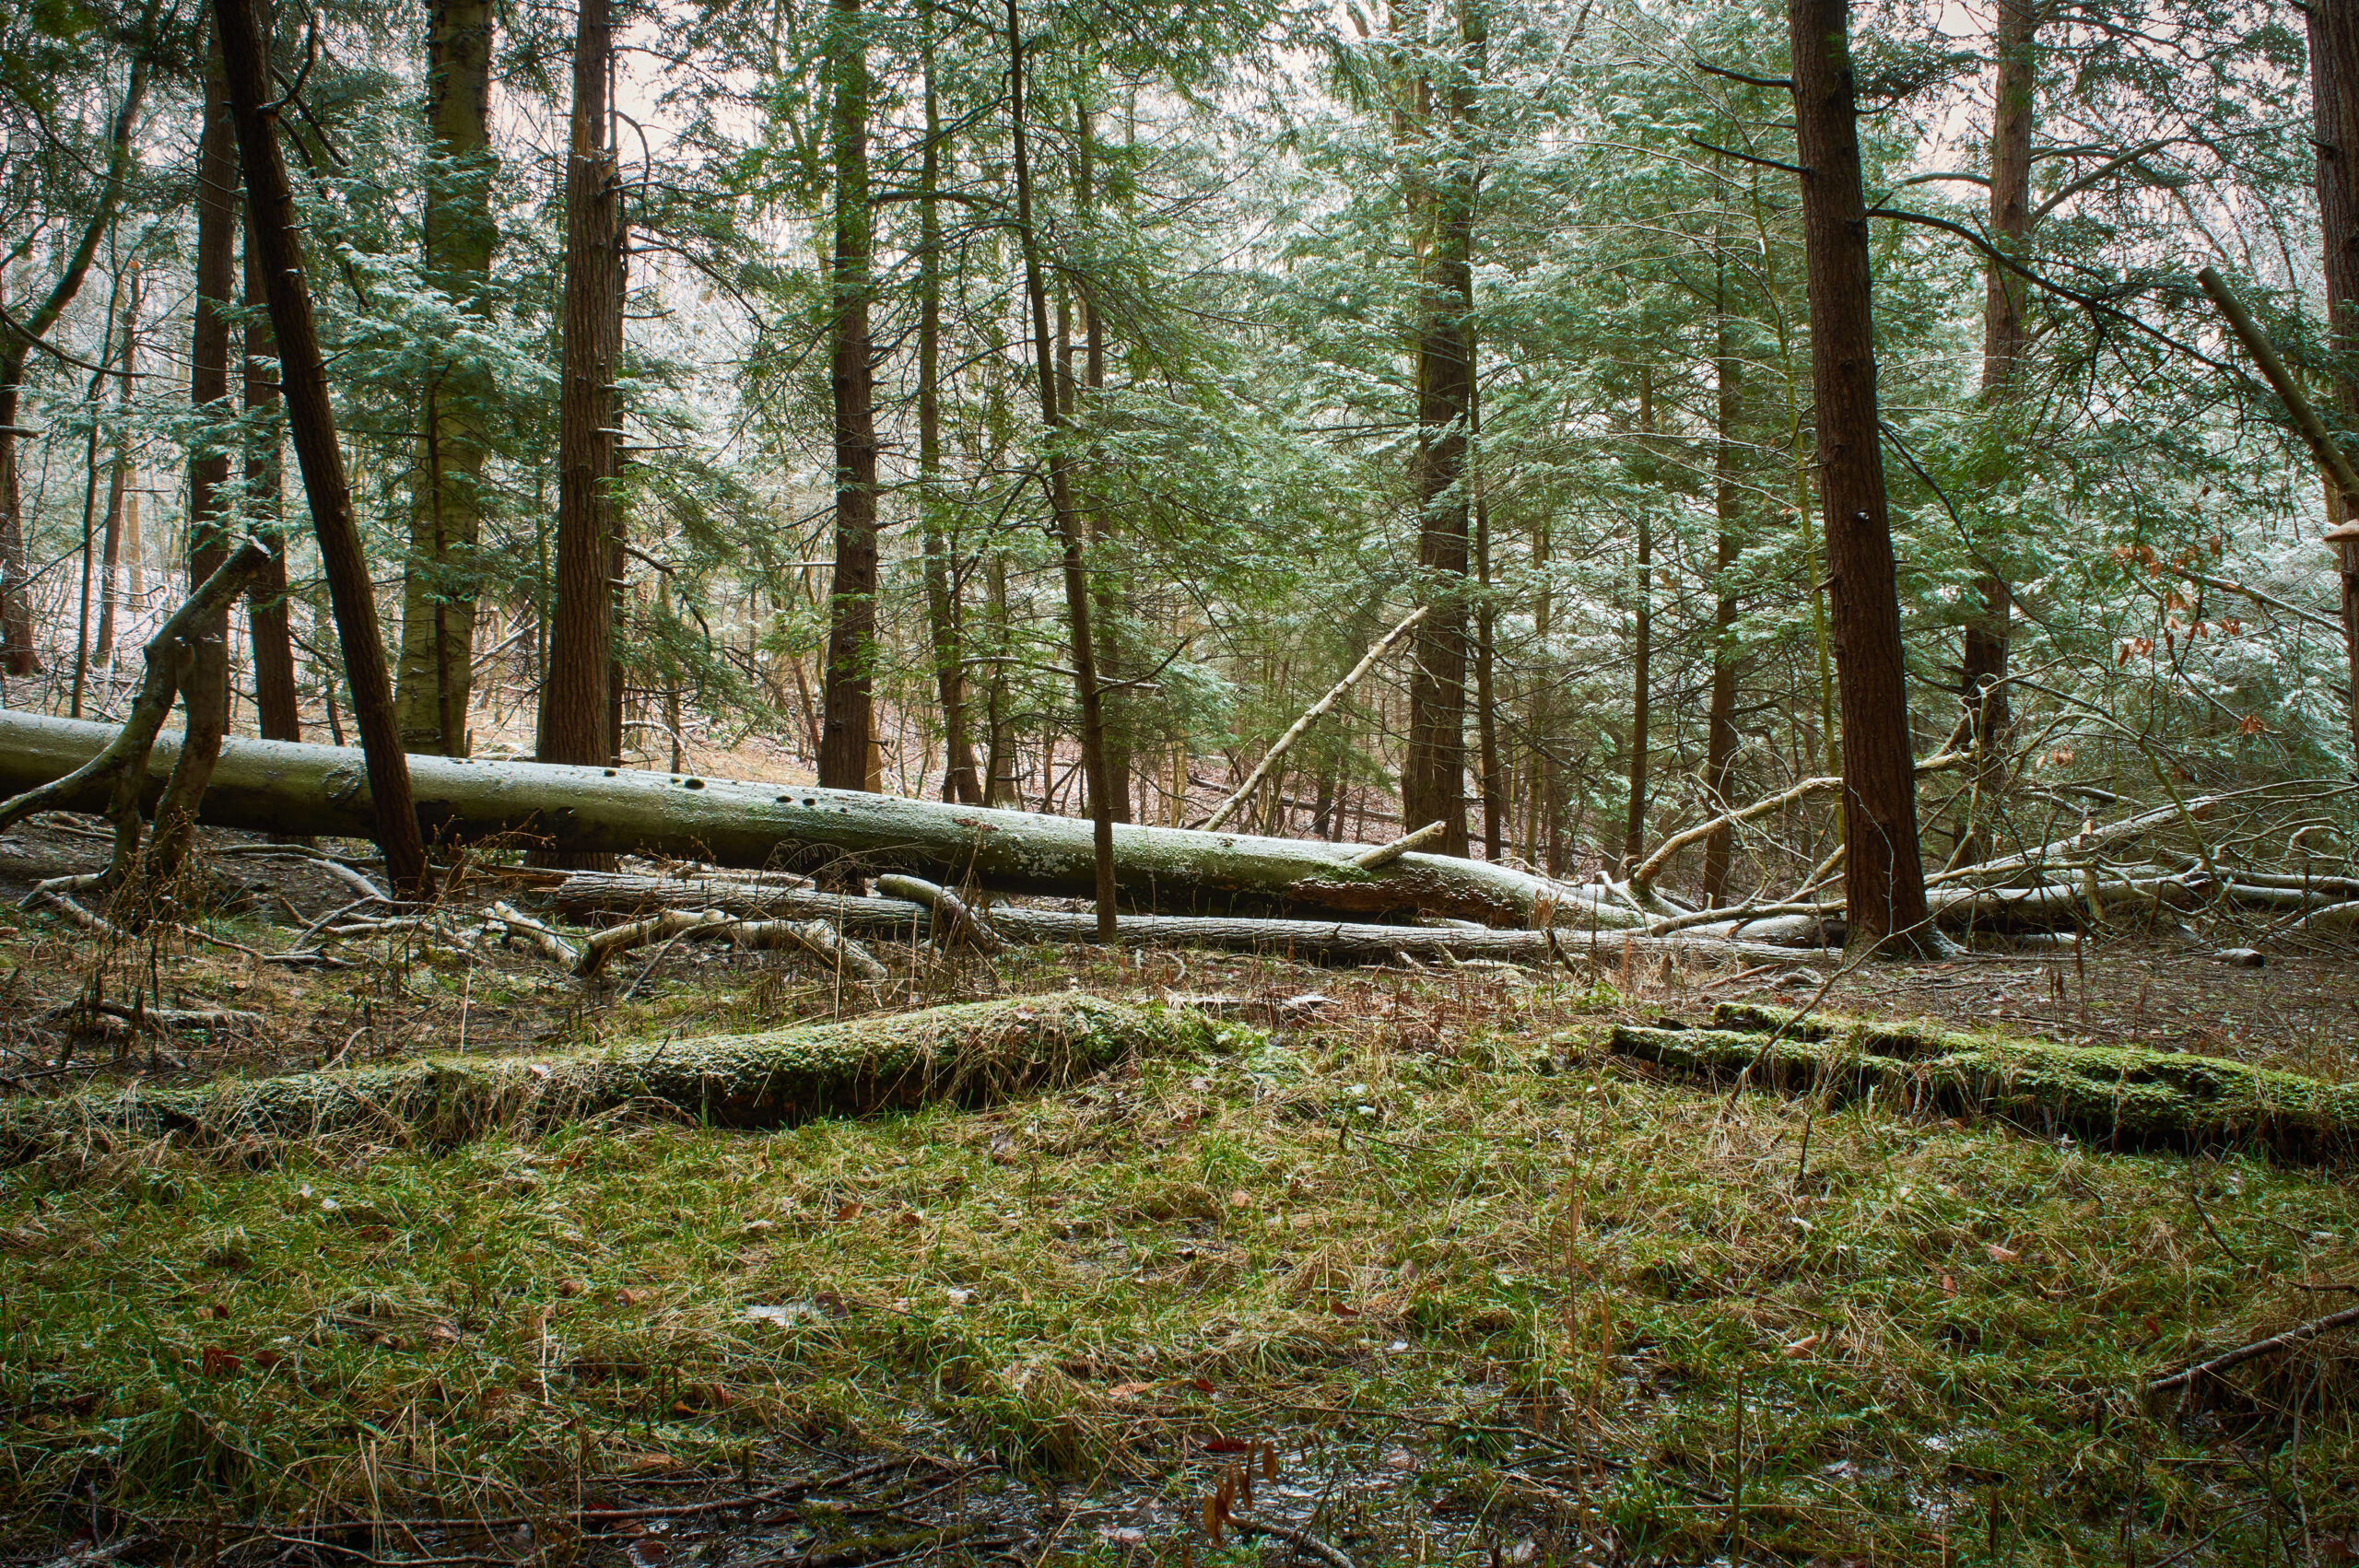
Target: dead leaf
{"points": [[1227, 1445], [634, 1296], [848, 1209], [572, 1288], [1802, 1347], [1129, 1390], [2000, 1254], [218, 1363]]}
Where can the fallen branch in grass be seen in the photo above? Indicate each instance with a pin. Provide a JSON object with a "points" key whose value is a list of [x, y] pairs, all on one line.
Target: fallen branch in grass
{"points": [[2188, 1377], [1642, 881], [1301, 1540], [954, 922], [969, 1053], [2114, 1093]]}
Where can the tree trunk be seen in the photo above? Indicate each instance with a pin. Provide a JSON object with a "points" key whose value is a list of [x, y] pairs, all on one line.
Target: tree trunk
{"points": [[2334, 90], [118, 480], [1983, 655], [942, 596], [1111, 594], [18, 654], [205, 680], [1433, 781], [1884, 881], [1719, 725], [442, 581], [1486, 712], [267, 622], [90, 499], [277, 787], [846, 741], [1061, 507], [311, 425], [577, 690], [1634, 827]]}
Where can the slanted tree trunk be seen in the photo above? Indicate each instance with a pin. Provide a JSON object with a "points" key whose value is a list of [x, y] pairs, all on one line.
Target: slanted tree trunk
{"points": [[442, 580], [1061, 505], [846, 737], [310, 424], [267, 622], [1884, 881], [1720, 731], [2334, 94], [1433, 779], [577, 690], [205, 681], [1983, 655], [19, 655], [942, 595]]}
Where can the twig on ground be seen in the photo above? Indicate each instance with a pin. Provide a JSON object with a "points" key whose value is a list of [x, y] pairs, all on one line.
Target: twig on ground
{"points": [[2188, 1377]]}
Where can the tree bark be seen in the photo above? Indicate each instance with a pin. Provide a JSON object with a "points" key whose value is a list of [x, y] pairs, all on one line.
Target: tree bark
{"points": [[277, 787], [846, 738], [19, 655], [1486, 711], [442, 581], [1884, 880], [118, 480], [2334, 90], [311, 424], [1110, 589], [1719, 725], [1433, 781], [278, 714], [1983, 655], [577, 690], [205, 680], [942, 595], [1061, 506]]}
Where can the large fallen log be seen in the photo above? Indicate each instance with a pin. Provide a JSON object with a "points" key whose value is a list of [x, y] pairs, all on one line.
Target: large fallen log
{"points": [[583, 895], [280, 787], [968, 1052], [2113, 1095]]}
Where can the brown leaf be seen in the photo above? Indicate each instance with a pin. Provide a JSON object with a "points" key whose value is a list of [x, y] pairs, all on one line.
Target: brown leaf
{"points": [[218, 1363], [1802, 1347], [572, 1288]]}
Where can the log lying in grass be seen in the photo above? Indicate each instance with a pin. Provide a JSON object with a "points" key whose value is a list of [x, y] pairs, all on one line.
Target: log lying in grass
{"points": [[586, 893], [967, 1052], [2112, 1095], [279, 787]]}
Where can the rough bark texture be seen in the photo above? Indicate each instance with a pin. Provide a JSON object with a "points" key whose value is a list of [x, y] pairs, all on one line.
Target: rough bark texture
{"points": [[846, 742], [442, 580], [311, 424], [18, 653], [1061, 504], [1983, 656], [1109, 588], [1633, 821], [970, 1053], [2113, 1095], [277, 716], [272, 786], [1884, 883], [1433, 776], [577, 694], [2334, 88]]}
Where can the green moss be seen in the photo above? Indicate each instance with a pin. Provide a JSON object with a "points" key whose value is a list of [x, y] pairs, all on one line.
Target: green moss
{"points": [[2116, 1093], [967, 1052]]}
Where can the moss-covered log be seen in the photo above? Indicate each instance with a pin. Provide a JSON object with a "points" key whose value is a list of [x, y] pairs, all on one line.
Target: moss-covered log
{"points": [[968, 1052], [2108, 1095]]}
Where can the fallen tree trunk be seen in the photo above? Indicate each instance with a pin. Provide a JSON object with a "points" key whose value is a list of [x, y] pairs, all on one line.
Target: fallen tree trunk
{"points": [[2116, 1095], [969, 1052], [583, 894], [285, 787]]}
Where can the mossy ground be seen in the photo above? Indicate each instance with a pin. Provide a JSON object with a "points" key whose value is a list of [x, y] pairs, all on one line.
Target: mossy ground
{"points": [[1487, 1304]]}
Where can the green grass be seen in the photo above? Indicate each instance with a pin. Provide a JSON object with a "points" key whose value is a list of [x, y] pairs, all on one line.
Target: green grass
{"points": [[1594, 1310]]}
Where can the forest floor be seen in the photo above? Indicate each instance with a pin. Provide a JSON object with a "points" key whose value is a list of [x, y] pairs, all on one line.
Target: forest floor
{"points": [[1446, 1280]]}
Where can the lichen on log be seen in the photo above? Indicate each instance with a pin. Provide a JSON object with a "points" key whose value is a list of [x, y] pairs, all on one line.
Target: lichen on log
{"points": [[968, 1053], [2115, 1095]]}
